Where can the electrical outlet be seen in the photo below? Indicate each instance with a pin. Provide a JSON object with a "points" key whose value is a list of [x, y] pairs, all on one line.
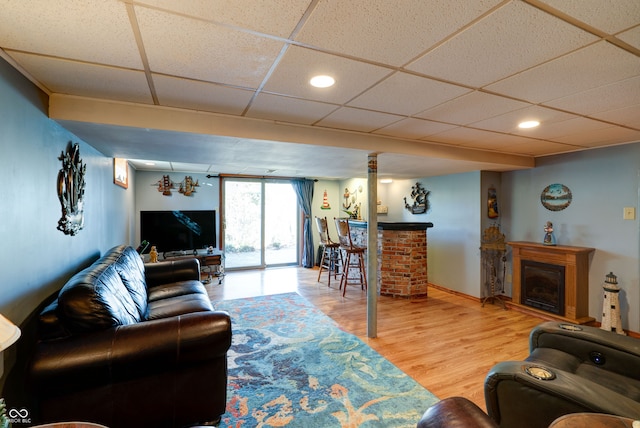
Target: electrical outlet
{"points": [[629, 213]]}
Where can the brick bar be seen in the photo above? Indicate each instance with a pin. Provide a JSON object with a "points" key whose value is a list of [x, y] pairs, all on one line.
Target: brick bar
{"points": [[402, 257]]}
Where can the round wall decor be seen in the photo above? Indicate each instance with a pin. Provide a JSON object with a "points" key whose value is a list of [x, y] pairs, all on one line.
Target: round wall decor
{"points": [[556, 197]]}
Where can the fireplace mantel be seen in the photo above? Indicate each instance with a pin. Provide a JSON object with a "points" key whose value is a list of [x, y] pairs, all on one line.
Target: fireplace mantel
{"points": [[576, 263]]}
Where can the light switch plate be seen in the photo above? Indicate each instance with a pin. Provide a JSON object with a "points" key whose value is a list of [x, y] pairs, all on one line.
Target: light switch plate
{"points": [[629, 213], [382, 209]]}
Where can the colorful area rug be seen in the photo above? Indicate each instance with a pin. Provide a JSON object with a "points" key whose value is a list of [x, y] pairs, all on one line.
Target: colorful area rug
{"points": [[291, 365]]}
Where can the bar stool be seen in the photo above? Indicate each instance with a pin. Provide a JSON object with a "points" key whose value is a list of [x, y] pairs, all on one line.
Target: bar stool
{"points": [[331, 259], [354, 259]]}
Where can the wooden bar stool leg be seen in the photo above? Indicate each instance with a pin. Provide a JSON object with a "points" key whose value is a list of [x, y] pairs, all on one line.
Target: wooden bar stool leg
{"points": [[363, 272], [345, 274], [324, 252]]}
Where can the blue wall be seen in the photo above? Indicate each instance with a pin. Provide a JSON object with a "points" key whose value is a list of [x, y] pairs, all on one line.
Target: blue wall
{"points": [[37, 258], [602, 182]]}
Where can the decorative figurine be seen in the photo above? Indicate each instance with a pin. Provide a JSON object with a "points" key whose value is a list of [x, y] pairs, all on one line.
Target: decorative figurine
{"points": [[549, 237], [153, 255], [611, 319]]}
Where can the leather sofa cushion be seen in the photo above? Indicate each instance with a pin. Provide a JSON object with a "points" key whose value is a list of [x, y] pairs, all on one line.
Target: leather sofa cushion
{"points": [[178, 305], [96, 298], [131, 270], [180, 288]]}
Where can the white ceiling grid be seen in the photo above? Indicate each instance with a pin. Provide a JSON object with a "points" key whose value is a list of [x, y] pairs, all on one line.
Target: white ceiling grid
{"points": [[434, 87]]}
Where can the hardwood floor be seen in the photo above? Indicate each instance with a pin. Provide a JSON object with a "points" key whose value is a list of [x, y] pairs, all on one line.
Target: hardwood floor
{"points": [[446, 342]]}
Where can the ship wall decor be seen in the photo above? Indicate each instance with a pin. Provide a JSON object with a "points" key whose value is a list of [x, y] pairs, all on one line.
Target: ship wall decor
{"points": [[420, 197]]}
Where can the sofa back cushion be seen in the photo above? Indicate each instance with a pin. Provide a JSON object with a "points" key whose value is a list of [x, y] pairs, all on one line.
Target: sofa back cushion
{"points": [[97, 298], [131, 270]]}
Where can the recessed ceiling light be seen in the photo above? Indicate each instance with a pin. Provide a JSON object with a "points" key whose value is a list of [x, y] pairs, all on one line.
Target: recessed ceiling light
{"points": [[322, 81], [386, 180], [528, 124], [150, 163]]}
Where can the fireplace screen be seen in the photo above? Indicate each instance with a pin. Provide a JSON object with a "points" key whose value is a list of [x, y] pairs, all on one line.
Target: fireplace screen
{"points": [[542, 286]]}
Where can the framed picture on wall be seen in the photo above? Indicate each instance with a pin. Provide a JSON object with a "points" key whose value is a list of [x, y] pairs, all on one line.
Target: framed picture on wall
{"points": [[121, 172]]}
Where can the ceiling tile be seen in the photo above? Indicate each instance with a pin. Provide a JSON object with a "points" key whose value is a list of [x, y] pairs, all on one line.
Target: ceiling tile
{"points": [[189, 167], [479, 139], [508, 122], [283, 14], [610, 16], [83, 79], [380, 30], [556, 130], [601, 137], [597, 65], [628, 116], [353, 119], [192, 48], [413, 128], [195, 95], [540, 148], [145, 165], [74, 29], [299, 65], [294, 110], [505, 42], [631, 37], [407, 94], [472, 107], [604, 98]]}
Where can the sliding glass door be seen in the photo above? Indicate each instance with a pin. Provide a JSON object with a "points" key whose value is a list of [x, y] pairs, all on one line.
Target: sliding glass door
{"points": [[261, 223]]}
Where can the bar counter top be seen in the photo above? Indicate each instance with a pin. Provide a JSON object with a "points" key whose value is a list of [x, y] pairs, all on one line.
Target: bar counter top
{"points": [[387, 225]]}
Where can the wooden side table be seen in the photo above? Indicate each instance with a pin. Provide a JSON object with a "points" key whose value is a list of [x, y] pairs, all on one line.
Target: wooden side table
{"points": [[592, 420]]}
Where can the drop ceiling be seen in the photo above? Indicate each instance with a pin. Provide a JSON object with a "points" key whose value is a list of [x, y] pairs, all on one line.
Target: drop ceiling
{"points": [[432, 87]]}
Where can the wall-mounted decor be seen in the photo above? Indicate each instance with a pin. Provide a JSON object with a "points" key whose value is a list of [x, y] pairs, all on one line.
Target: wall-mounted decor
{"points": [[350, 204], [556, 197], [420, 197], [165, 185], [492, 203], [121, 172], [71, 190], [187, 186], [325, 201]]}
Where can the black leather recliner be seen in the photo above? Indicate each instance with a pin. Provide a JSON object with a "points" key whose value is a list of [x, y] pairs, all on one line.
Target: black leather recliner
{"points": [[129, 345], [570, 369]]}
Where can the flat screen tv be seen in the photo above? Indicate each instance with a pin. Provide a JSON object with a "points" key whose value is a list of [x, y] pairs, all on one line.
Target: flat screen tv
{"points": [[178, 230]]}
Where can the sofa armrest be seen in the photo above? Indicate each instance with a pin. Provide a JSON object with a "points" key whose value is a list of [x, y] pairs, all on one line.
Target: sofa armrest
{"points": [[512, 395], [608, 351], [171, 271], [132, 351], [455, 412]]}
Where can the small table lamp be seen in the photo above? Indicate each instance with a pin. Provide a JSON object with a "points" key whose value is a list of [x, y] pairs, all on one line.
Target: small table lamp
{"points": [[9, 333]]}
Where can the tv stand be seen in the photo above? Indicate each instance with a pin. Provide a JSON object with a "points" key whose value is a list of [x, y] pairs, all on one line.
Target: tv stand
{"points": [[211, 264]]}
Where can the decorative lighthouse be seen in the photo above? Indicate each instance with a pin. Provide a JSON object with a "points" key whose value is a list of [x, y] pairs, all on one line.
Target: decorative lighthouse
{"points": [[611, 320]]}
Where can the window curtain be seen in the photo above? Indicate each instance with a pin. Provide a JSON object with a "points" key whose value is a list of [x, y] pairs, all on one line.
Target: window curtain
{"points": [[304, 191]]}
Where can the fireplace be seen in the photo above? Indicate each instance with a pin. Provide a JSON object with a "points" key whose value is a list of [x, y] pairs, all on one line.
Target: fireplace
{"points": [[542, 286], [563, 264]]}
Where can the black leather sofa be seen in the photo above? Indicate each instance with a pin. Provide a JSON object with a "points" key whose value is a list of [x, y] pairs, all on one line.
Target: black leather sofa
{"points": [[127, 344], [570, 369]]}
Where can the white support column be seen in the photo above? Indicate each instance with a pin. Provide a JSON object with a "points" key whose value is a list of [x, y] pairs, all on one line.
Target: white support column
{"points": [[372, 246]]}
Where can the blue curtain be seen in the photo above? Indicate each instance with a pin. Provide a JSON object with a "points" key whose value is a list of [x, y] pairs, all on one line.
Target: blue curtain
{"points": [[304, 191]]}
